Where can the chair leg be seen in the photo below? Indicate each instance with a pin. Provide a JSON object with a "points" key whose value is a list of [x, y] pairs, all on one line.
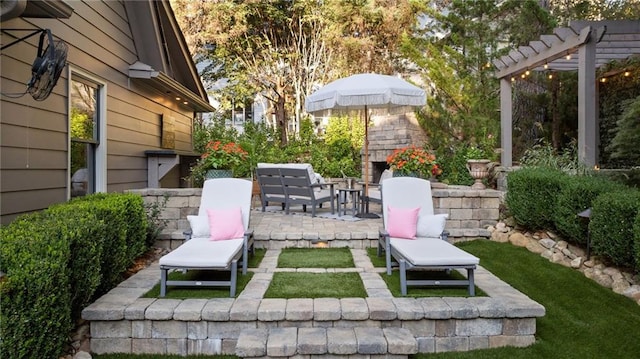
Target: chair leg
{"points": [[403, 277], [163, 282], [234, 278], [388, 256], [472, 286]]}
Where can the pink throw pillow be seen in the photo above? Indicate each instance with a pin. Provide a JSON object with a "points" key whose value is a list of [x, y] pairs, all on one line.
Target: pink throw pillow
{"points": [[402, 222], [225, 223]]}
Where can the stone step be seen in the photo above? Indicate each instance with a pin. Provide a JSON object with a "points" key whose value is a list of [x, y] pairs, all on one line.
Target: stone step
{"points": [[300, 342]]}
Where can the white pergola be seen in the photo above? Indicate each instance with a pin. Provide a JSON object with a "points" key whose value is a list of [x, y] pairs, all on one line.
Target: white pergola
{"points": [[583, 46]]}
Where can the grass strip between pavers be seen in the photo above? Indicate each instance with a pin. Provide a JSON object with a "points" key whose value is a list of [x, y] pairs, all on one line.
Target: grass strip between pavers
{"points": [[315, 258], [315, 285]]}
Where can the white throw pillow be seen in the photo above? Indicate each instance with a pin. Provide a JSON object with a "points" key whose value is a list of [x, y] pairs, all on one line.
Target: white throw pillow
{"points": [[431, 225], [199, 226]]}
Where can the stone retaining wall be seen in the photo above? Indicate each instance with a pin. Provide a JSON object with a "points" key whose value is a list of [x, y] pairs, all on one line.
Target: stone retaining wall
{"points": [[123, 322], [470, 211]]}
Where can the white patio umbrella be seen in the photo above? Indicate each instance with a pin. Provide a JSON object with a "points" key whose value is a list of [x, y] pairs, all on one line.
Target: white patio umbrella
{"points": [[364, 92]]}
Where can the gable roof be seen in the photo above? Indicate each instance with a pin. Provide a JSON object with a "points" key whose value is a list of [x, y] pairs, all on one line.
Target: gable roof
{"points": [[163, 57], [164, 61]]}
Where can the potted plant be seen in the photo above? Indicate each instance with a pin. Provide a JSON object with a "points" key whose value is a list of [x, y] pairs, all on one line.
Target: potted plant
{"points": [[413, 161], [478, 166], [218, 160]]}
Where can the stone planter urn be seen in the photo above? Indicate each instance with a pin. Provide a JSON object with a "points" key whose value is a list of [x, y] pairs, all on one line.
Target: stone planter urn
{"points": [[479, 170]]}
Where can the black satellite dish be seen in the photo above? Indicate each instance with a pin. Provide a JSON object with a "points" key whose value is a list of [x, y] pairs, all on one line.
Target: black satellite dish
{"points": [[47, 66]]}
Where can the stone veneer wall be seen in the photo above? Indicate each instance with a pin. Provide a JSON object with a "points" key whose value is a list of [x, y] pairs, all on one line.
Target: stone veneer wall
{"points": [[389, 133], [471, 212]]}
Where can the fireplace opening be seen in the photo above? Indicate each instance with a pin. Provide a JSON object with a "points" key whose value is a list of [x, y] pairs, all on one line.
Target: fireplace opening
{"points": [[377, 169]]}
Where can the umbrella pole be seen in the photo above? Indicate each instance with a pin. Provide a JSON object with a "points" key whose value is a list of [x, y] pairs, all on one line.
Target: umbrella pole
{"points": [[366, 214]]}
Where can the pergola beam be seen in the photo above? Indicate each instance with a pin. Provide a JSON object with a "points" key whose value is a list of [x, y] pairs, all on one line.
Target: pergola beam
{"points": [[569, 45]]}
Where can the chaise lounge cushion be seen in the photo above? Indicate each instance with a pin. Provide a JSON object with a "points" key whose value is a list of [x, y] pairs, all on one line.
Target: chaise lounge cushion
{"points": [[432, 252], [203, 253]]}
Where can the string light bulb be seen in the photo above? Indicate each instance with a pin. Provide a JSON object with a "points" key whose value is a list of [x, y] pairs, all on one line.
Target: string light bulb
{"points": [[550, 76], [523, 75], [527, 72], [627, 73], [603, 80], [513, 79], [546, 66], [568, 57]]}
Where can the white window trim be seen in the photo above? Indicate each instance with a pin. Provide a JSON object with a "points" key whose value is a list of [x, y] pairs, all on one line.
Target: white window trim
{"points": [[101, 150]]}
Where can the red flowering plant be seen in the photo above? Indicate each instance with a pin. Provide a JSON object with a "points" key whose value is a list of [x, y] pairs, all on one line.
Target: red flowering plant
{"points": [[218, 155], [413, 160]]}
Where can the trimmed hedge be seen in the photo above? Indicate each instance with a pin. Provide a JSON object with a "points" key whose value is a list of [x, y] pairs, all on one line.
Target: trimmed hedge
{"points": [[636, 240], [532, 194], [576, 195], [612, 226], [56, 261], [34, 295]]}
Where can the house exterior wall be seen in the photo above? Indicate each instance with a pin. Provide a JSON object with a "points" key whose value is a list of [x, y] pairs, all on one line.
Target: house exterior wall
{"points": [[34, 136]]}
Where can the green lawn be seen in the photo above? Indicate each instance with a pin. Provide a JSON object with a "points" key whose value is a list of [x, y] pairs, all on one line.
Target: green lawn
{"points": [[315, 258], [315, 285], [583, 319]]}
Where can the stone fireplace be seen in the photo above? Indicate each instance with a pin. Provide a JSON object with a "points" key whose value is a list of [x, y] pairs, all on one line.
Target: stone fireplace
{"points": [[387, 133]]}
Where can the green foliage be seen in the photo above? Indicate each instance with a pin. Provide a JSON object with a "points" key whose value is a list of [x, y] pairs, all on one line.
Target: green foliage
{"points": [[56, 261], [532, 195], [544, 155], [119, 249], [624, 146], [35, 302], [78, 226], [155, 224], [453, 162], [612, 226], [576, 195], [636, 240]]}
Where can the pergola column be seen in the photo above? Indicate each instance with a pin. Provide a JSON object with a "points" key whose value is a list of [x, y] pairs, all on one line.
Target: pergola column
{"points": [[506, 123], [587, 103]]}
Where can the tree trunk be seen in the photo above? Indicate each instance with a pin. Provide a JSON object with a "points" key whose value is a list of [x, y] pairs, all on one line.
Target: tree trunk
{"points": [[281, 118]]}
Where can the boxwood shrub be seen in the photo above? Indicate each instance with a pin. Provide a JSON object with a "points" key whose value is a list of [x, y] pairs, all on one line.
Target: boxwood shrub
{"points": [[58, 260], [35, 302], [612, 226], [531, 195], [576, 195]]}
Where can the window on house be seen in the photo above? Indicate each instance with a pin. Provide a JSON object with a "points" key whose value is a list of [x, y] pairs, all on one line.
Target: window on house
{"points": [[84, 131]]}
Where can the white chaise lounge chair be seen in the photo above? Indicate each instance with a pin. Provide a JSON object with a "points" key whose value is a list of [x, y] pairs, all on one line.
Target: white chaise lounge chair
{"points": [[225, 205], [415, 237]]}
